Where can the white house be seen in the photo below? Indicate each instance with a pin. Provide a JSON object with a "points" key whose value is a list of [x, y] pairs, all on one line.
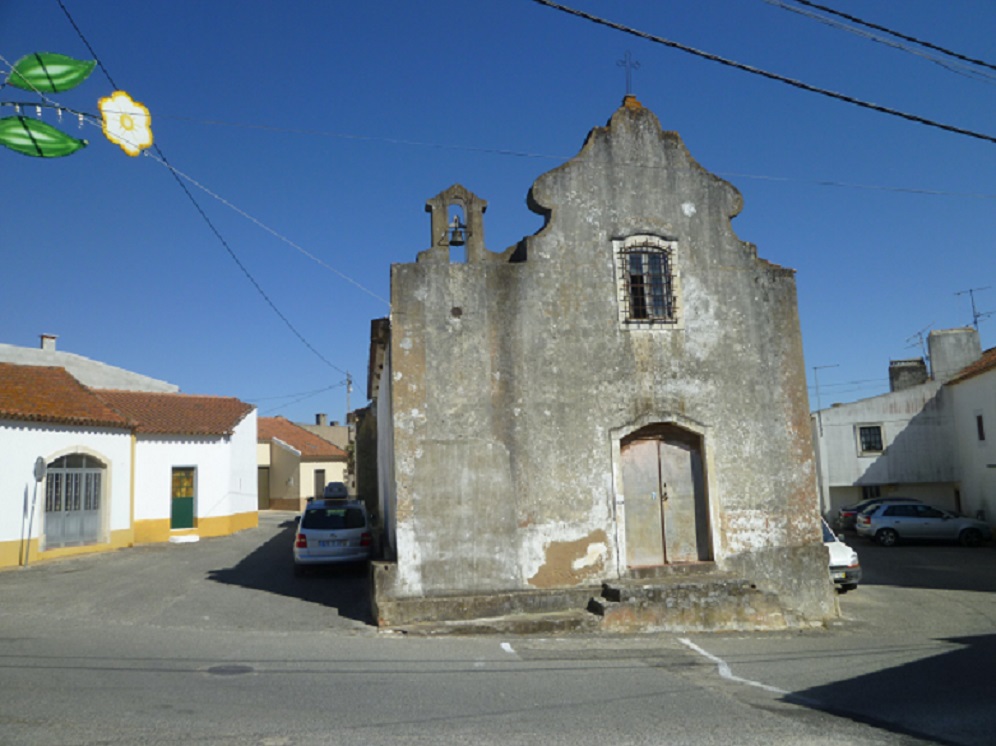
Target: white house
{"points": [[89, 469], [85, 498], [974, 427], [917, 440], [195, 463]]}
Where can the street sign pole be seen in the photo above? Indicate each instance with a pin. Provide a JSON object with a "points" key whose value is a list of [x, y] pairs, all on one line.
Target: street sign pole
{"points": [[40, 469]]}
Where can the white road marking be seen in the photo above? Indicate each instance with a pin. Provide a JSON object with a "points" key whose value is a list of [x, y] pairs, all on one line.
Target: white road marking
{"points": [[507, 648], [724, 669]]}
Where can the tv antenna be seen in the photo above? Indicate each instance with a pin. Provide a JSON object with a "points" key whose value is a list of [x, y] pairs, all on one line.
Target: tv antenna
{"points": [[976, 314], [920, 338]]}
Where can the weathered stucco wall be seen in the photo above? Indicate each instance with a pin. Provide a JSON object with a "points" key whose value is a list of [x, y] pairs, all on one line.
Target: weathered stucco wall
{"points": [[513, 380]]}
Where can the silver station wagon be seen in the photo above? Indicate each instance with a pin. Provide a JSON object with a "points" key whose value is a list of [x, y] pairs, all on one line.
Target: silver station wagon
{"points": [[889, 523], [331, 532]]}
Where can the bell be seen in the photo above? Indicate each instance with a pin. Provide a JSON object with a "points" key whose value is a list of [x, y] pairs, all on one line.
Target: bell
{"points": [[458, 232]]}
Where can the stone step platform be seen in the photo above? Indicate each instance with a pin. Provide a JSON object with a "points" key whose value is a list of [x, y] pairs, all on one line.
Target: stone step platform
{"points": [[693, 598], [571, 621]]}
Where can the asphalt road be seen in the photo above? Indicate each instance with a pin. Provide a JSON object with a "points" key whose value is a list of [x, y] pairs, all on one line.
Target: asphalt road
{"points": [[218, 643]]}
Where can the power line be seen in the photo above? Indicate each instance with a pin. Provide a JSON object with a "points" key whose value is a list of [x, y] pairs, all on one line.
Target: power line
{"points": [[765, 74], [898, 35], [956, 67], [301, 397], [562, 158], [94, 120], [201, 211]]}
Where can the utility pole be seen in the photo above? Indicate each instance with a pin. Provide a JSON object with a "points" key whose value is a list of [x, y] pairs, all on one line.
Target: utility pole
{"points": [[816, 385], [820, 481], [349, 390], [976, 314]]}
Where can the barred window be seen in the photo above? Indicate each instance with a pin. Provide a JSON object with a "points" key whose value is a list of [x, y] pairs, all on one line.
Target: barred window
{"points": [[647, 281], [870, 438]]}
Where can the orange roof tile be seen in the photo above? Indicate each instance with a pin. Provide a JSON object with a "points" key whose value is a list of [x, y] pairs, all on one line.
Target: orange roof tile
{"points": [[177, 414], [985, 363], [43, 394], [311, 446]]}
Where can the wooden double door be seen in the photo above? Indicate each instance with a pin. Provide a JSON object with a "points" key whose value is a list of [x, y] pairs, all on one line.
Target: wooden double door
{"points": [[667, 514]]}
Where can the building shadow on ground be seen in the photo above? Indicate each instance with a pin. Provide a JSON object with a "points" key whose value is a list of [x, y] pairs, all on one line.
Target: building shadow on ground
{"points": [[910, 699], [270, 568], [935, 565]]}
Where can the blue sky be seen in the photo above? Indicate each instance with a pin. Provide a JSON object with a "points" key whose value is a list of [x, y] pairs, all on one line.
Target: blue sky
{"points": [[331, 123]]}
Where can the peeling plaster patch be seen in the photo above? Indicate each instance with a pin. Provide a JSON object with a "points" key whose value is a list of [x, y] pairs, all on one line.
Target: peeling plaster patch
{"points": [[571, 563], [596, 554], [406, 343], [748, 530], [688, 208], [398, 375], [516, 411]]}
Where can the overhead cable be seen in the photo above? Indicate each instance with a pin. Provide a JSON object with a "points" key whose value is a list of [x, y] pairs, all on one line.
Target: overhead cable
{"points": [[898, 35], [203, 214], [766, 74], [526, 154], [959, 68]]}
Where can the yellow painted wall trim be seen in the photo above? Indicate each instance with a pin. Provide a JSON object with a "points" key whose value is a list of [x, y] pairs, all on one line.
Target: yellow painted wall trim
{"points": [[11, 551], [227, 524], [145, 532], [152, 531], [156, 531]]}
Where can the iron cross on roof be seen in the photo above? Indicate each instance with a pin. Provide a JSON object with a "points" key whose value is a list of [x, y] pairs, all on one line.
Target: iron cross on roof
{"points": [[630, 64]]}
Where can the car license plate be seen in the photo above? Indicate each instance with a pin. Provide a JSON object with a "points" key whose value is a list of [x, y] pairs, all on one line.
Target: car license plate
{"points": [[839, 576], [331, 543]]}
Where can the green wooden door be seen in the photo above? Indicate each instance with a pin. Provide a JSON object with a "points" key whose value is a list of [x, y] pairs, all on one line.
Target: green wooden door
{"points": [[182, 505]]}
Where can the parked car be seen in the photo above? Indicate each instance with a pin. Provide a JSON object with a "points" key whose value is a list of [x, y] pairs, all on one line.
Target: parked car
{"points": [[845, 570], [847, 514], [331, 532], [888, 523], [335, 490]]}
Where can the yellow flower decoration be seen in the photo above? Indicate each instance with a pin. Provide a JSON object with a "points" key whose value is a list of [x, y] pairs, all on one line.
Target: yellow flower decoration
{"points": [[126, 122]]}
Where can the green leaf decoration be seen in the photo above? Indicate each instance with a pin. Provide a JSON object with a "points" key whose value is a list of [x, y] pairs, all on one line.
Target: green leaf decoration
{"points": [[35, 138], [49, 73]]}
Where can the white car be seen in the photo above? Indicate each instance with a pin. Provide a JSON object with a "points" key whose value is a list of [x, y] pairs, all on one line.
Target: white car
{"points": [[845, 570]]}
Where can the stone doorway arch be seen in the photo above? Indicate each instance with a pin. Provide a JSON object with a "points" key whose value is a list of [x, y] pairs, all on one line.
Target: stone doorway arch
{"points": [[662, 470]]}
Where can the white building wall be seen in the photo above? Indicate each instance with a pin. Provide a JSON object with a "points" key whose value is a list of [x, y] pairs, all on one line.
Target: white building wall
{"points": [[222, 485], [243, 492], [918, 459], [22, 443], [977, 458]]}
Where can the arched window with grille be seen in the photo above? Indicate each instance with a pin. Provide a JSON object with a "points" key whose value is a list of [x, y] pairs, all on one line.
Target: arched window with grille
{"points": [[647, 281], [74, 500]]}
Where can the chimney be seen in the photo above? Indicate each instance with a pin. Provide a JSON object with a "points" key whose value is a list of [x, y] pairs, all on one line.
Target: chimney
{"points": [[951, 350], [321, 420], [904, 374], [48, 342]]}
